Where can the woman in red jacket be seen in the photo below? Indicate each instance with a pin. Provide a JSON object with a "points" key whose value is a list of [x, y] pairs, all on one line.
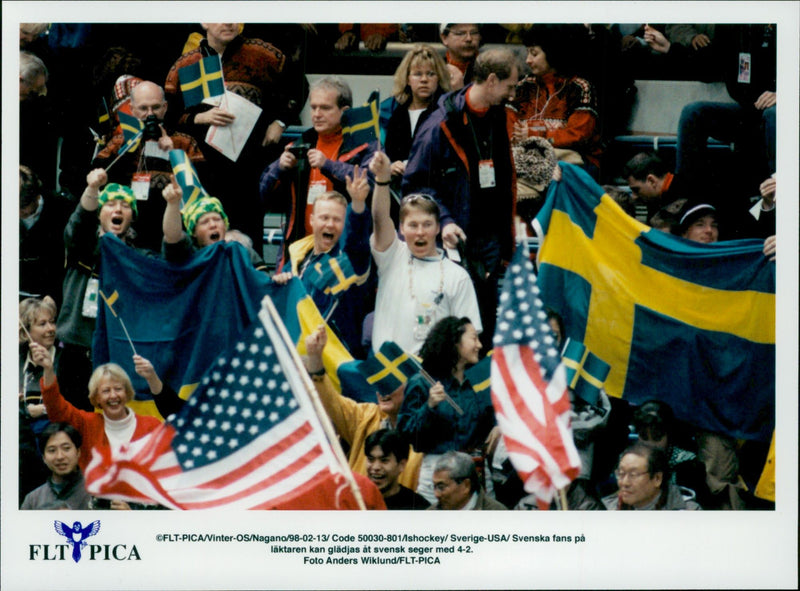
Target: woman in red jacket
{"points": [[552, 102], [110, 390]]}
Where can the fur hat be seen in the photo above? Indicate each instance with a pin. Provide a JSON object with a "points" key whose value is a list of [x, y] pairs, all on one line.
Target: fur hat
{"points": [[202, 206], [116, 191], [535, 159]]}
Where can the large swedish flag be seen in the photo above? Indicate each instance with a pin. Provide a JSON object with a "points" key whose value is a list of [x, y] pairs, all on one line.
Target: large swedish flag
{"points": [[182, 316], [690, 324]]}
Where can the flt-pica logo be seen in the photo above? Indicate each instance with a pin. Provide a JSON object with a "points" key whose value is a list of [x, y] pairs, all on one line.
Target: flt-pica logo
{"points": [[77, 534], [77, 547]]}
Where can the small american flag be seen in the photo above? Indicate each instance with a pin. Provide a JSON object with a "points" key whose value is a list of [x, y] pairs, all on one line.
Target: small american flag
{"points": [[529, 388], [246, 439]]}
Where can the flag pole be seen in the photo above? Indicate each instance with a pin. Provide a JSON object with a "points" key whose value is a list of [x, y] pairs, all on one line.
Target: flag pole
{"points": [[123, 152], [562, 495], [25, 330], [323, 417], [447, 397]]}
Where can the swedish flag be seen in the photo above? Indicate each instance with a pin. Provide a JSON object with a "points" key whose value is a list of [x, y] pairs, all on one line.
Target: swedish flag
{"points": [[335, 275], [361, 125], [182, 328], [202, 79], [132, 129], [186, 177], [390, 368], [690, 324], [480, 374], [586, 372]]}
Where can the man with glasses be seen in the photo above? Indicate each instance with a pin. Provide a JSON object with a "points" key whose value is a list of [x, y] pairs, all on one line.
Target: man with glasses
{"points": [[643, 479], [146, 168], [457, 486], [463, 42]]}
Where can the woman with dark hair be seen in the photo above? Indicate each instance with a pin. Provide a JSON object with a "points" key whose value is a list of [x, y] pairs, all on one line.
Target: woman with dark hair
{"points": [[428, 417], [553, 102]]}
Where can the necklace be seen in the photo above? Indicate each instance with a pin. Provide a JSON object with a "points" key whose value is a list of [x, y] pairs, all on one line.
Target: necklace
{"points": [[547, 102], [439, 292]]}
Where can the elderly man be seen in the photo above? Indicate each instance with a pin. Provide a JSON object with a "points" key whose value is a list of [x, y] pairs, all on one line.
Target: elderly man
{"points": [[644, 484], [462, 42], [316, 163], [147, 168], [462, 158], [457, 486]]}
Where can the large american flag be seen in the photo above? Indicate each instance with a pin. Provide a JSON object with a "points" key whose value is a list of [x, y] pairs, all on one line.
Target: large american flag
{"points": [[529, 387], [246, 439]]}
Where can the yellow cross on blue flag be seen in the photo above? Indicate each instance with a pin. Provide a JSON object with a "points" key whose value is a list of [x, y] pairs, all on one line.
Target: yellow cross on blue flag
{"points": [[690, 324], [586, 372], [390, 368], [132, 129], [361, 125], [186, 177], [201, 80]]}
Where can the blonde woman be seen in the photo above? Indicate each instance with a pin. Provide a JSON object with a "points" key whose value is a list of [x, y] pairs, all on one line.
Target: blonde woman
{"points": [[110, 390], [419, 81]]}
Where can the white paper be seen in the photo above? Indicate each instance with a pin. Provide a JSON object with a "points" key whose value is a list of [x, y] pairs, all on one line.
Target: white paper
{"points": [[230, 140]]}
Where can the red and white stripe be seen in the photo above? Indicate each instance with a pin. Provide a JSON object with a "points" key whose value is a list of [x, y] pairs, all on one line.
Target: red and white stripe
{"points": [[533, 417]]}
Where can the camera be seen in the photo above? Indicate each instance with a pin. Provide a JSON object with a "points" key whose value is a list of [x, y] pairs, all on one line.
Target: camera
{"points": [[152, 131], [299, 151]]}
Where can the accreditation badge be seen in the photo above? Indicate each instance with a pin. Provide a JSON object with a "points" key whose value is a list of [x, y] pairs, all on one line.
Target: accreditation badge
{"points": [[744, 68], [486, 174], [315, 189], [141, 185], [90, 298]]}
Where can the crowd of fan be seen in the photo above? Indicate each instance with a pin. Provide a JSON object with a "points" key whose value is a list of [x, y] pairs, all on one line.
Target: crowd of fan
{"points": [[462, 120]]}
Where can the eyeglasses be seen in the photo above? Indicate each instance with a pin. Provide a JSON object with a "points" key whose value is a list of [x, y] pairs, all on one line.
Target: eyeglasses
{"points": [[632, 475], [423, 75], [471, 33]]}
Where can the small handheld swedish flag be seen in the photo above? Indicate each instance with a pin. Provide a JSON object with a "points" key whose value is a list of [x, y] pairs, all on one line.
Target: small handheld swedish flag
{"points": [[390, 368], [335, 275], [201, 80], [132, 129], [361, 125], [586, 372], [186, 177], [480, 374]]}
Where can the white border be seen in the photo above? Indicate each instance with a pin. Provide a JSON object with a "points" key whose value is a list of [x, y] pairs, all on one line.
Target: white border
{"points": [[713, 550]]}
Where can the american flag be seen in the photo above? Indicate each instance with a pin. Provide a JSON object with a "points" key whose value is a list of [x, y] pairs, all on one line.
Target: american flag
{"points": [[246, 439], [529, 388]]}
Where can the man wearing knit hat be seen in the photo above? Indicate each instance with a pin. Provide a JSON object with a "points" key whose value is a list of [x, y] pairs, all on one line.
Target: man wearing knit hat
{"points": [[205, 221], [111, 211]]}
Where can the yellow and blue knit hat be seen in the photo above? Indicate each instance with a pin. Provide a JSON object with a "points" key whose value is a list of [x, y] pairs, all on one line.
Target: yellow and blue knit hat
{"points": [[196, 210], [116, 191]]}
